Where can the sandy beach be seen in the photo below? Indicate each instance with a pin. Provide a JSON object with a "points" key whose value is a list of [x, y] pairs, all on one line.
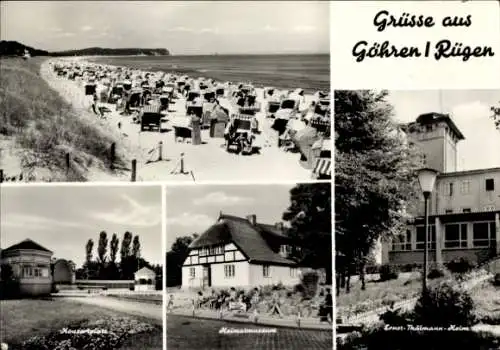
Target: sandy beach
{"points": [[206, 162]]}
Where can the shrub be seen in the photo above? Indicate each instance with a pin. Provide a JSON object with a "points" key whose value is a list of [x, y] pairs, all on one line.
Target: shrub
{"points": [[408, 267], [372, 269], [388, 272], [496, 280], [298, 288], [435, 273], [445, 304], [461, 265], [310, 283]]}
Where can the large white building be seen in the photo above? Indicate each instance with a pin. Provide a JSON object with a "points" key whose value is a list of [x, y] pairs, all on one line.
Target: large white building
{"points": [[464, 208], [239, 252]]}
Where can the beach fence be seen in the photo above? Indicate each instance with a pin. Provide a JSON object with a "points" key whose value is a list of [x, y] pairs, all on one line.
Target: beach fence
{"points": [[154, 155]]}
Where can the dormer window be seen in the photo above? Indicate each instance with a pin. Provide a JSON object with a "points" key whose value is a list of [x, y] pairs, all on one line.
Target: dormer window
{"points": [[285, 250]]}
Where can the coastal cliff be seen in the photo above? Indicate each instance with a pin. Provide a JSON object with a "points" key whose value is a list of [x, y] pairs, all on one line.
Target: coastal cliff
{"points": [[14, 48]]}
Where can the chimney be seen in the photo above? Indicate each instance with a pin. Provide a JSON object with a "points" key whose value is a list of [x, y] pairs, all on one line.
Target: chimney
{"points": [[252, 219]]}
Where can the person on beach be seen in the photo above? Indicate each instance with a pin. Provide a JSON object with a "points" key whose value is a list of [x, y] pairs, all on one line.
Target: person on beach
{"points": [[195, 129]]}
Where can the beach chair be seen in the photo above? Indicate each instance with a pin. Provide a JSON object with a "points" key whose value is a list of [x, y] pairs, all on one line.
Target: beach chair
{"points": [[151, 117], [240, 135]]}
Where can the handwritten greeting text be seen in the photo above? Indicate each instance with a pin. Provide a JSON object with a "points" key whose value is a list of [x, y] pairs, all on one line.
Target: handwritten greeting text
{"points": [[442, 49]]}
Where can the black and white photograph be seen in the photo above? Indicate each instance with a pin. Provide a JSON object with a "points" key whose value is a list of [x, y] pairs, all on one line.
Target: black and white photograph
{"points": [[417, 219], [165, 91], [81, 267], [249, 267]]}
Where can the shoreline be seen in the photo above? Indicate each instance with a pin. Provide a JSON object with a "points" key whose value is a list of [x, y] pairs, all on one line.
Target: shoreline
{"points": [[219, 75]]}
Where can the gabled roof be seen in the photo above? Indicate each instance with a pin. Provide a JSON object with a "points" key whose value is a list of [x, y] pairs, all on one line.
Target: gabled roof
{"points": [[247, 237], [145, 271], [27, 244]]}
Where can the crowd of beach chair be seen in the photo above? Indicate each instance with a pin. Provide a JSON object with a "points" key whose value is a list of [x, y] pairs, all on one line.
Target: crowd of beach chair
{"points": [[298, 122]]}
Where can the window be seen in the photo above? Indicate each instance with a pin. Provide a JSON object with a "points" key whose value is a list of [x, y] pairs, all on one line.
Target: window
{"points": [[465, 187], [448, 211], [293, 272], [466, 210], [489, 208], [402, 242], [490, 184], [431, 242], [228, 271], [285, 249], [483, 234], [455, 236], [27, 271], [266, 271], [192, 272], [449, 189]]}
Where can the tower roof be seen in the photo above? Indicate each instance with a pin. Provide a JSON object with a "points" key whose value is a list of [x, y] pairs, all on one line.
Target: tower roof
{"points": [[433, 118]]}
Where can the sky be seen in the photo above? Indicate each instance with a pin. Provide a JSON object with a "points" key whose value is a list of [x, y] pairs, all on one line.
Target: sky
{"points": [[183, 27], [63, 218], [193, 209], [469, 109]]}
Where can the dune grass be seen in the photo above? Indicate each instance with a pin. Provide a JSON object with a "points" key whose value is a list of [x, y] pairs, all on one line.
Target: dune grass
{"points": [[45, 126]]}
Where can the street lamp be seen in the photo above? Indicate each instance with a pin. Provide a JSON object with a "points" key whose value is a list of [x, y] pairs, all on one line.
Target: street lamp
{"points": [[426, 178]]}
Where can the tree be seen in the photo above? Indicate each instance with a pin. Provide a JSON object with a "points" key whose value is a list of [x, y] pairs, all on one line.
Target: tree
{"points": [[310, 218], [127, 265], [113, 248], [136, 247], [88, 250], [375, 178], [496, 115], [125, 248], [112, 269], [102, 247], [175, 258]]}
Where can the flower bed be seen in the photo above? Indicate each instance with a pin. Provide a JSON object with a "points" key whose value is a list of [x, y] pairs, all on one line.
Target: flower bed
{"points": [[106, 333]]}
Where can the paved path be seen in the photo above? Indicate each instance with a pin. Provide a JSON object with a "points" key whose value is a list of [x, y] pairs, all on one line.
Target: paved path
{"points": [[305, 323], [189, 333], [151, 311]]}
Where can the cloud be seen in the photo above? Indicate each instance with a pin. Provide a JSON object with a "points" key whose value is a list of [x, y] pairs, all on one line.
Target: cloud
{"points": [[64, 34], [210, 30], [179, 29], [304, 29], [35, 222], [86, 28], [220, 198], [134, 214], [471, 110], [269, 28], [191, 220]]}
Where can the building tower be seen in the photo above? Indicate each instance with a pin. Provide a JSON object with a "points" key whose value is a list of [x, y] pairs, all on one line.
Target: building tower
{"points": [[437, 136]]}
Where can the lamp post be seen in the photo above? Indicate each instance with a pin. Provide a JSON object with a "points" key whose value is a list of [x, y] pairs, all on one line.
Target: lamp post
{"points": [[426, 179]]}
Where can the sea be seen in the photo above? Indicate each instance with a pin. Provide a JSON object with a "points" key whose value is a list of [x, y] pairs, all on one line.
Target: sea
{"points": [[310, 72]]}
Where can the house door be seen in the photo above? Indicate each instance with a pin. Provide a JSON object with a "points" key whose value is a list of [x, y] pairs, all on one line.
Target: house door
{"points": [[207, 278]]}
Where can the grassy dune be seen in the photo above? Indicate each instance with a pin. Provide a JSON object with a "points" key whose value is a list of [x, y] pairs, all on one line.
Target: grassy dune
{"points": [[45, 128]]}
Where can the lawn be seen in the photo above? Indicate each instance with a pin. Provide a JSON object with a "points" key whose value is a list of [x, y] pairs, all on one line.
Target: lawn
{"points": [[188, 333], [23, 319]]}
